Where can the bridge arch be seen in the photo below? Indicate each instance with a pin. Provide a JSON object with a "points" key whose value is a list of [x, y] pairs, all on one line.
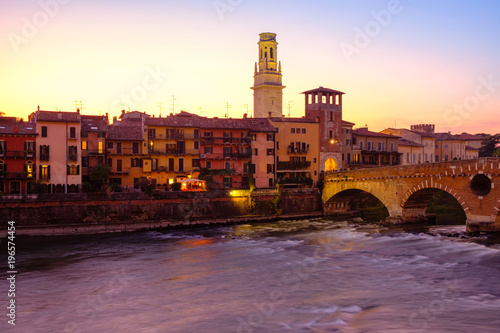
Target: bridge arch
{"points": [[417, 200], [349, 199]]}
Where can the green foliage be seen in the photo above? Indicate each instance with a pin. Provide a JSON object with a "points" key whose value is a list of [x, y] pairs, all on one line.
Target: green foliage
{"points": [[276, 205], [488, 149], [176, 186], [146, 186], [40, 188], [116, 187], [100, 175]]}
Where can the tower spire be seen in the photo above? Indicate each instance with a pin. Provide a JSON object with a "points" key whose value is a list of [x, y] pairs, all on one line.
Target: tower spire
{"points": [[268, 86]]}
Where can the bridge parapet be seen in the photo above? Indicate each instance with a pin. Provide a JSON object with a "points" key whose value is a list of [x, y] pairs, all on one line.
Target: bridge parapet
{"points": [[406, 190]]}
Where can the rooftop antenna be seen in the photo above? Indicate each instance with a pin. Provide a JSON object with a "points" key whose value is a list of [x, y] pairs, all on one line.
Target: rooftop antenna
{"points": [[173, 104], [201, 110], [159, 104], [246, 108], [79, 105], [289, 107], [227, 109]]}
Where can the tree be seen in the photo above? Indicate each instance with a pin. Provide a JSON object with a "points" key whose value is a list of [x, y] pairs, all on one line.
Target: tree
{"points": [[489, 143], [100, 175]]}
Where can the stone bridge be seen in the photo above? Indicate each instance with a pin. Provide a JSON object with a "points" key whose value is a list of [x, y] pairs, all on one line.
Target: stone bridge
{"points": [[407, 190]]}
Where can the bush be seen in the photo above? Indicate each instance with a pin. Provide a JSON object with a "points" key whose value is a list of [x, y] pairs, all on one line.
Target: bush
{"points": [[116, 187], [87, 187], [176, 186]]}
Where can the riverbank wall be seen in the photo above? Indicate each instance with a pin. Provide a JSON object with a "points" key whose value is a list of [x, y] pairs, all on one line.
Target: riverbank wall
{"points": [[81, 213]]}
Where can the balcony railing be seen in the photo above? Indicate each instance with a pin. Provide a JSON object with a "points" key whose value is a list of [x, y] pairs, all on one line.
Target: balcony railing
{"points": [[211, 140], [296, 150], [292, 165], [238, 155], [17, 175], [96, 151], [174, 152], [17, 154]]}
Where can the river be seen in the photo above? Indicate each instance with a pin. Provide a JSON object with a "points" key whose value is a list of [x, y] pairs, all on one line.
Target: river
{"points": [[313, 275]]}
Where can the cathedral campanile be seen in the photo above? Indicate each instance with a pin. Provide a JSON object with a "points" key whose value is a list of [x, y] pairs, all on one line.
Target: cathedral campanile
{"points": [[268, 87]]}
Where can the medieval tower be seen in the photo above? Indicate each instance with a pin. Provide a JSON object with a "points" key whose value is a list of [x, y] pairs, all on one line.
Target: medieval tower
{"points": [[268, 87]]}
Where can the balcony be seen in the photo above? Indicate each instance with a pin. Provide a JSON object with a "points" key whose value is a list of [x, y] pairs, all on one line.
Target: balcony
{"points": [[96, 151], [293, 150], [292, 165], [211, 140], [174, 152], [17, 154], [17, 175], [237, 155]]}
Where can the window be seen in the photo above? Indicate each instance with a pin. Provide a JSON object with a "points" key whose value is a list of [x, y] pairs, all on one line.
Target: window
{"points": [[270, 152], [208, 134], [3, 168], [314, 160], [292, 130], [227, 137], [361, 145], [29, 149], [255, 151], [2, 148], [181, 164], [446, 157], [227, 166], [392, 146], [297, 130], [85, 162], [208, 150], [227, 152], [303, 131], [45, 172], [73, 153], [195, 162], [270, 168], [73, 170], [151, 133], [245, 167], [208, 164], [110, 162], [330, 134], [407, 157], [151, 146], [72, 133], [197, 145], [119, 165], [446, 146], [271, 182], [100, 147], [135, 147], [370, 145], [28, 169], [278, 145], [110, 145], [44, 131], [118, 147], [196, 134], [84, 145], [227, 182], [44, 153], [270, 137], [154, 164]]}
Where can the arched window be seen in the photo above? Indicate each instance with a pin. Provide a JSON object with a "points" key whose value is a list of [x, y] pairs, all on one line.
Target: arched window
{"points": [[330, 165], [29, 169], [272, 53]]}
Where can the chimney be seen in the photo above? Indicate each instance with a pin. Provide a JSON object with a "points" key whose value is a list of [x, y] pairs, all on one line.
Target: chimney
{"points": [[245, 115], [38, 108], [115, 119], [269, 114], [78, 110]]}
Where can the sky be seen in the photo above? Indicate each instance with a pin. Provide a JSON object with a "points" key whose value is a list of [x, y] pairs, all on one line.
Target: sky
{"points": [[399, 62]]}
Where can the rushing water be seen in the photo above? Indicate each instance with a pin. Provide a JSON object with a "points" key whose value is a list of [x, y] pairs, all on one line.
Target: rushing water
{"points": [[290, 276]]}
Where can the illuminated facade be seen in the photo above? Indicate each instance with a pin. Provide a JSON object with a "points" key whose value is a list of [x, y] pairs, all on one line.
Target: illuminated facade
{"points": [[268, 86]]}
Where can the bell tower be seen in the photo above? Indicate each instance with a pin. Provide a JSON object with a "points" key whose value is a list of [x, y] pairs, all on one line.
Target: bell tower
{"points": [[268, 87]]}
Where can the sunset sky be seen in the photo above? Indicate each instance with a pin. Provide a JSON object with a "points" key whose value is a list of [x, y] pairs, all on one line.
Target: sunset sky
{"points": [[399, 62]]}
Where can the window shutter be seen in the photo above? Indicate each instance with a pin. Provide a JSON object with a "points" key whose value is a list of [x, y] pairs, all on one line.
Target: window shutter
{"points": [[77, 169], [48, 153], [25, 168], [39, 171], [68, 170], [48, 172]]}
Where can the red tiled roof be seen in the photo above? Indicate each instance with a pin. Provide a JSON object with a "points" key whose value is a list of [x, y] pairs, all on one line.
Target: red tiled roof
{"points": [[18, 128], [469, 137], [470, 148], [57, 116], [404, 142], [348, 123], [321, 89], [293, 120], [125, 133], [444, 137], [94, 123], [366, 132]]}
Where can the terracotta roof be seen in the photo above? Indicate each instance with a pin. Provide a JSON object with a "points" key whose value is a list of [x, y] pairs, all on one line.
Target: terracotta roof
{"points": [[470, 148], [404, 142], [292, 120], [57, 116], [365, 132], [18, 128], [182, 119], [125, 133], [94, 123], [348, 123], [444, 137], [321, 89], [469, 137]]}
